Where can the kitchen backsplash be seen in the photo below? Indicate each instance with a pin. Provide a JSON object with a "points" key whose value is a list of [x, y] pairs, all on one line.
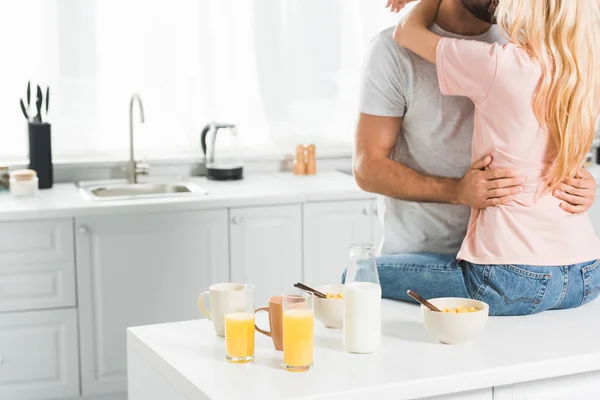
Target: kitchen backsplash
{"points": [[77, 172]]}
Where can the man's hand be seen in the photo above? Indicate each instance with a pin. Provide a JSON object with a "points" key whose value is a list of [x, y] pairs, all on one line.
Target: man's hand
{"points": [[397, 5], [481, 188], [577, 193]]}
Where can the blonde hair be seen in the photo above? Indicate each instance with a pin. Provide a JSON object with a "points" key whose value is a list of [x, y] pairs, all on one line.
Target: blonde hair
{"points": [[564, 36]]}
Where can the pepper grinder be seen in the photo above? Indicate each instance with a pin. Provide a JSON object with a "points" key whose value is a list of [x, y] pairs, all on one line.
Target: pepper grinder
{"points": [[311, 162], [300, 162]]}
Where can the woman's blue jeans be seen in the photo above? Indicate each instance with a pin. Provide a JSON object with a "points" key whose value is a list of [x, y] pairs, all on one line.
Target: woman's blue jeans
{"points": [[508, 289]]}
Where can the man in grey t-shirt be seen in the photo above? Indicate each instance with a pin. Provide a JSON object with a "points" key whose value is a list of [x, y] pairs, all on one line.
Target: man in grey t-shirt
{"points": [[413, 145]]}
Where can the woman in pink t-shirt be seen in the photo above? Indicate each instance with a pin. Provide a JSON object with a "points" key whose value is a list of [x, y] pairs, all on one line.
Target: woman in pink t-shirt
{"points": [[536, 103]]}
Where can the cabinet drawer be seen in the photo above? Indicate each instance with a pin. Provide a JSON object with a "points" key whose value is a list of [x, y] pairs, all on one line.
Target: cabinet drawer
{"points": [[38, 355], [37, 286], [32, 242]]}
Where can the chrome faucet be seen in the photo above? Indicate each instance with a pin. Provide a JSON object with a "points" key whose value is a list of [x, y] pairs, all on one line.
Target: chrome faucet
{"points": [[134, 168]]}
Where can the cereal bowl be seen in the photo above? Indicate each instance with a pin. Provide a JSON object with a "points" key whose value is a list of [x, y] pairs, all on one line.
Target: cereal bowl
{"points": [[330, 311], [455, 328]]}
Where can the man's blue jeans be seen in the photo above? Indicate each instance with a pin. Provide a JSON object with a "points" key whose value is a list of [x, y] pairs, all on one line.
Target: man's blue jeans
{"points": [[508, 289]]}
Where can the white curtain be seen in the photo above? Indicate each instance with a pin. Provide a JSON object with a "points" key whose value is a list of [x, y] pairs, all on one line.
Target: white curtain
{"points": [[29, 52], [285, 71]]}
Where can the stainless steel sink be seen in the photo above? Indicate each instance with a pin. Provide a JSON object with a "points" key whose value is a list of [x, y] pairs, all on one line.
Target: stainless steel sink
{"points": [[126, 191]]}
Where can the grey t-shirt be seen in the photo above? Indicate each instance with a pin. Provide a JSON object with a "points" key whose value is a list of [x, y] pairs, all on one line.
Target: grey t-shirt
{"points": [[435, 139]]}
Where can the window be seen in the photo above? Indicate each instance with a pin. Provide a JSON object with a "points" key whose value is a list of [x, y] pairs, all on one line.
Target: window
{"points": [[285, 71], [29, 46]]}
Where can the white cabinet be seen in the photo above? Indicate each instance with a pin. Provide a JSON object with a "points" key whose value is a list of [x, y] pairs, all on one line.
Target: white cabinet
{"points": [[329, 230], [266, 248], [37, 286], [31, 242], [579, 387], [37, 267], [38, 355], [139, 270]]}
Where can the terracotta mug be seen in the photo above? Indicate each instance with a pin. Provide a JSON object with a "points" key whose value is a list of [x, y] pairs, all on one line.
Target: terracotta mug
{"points": [[275, 331]]}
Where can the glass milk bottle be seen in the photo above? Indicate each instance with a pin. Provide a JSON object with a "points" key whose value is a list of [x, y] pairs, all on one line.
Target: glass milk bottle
{"points": [[362, 307]]}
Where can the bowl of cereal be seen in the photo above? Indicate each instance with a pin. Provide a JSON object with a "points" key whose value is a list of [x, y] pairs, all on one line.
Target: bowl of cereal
{"points": [[460, 321], [330, 311]]}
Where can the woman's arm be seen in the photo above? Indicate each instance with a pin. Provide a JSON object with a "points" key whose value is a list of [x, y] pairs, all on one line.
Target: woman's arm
{"points": [[396, 6], [413, 31]]}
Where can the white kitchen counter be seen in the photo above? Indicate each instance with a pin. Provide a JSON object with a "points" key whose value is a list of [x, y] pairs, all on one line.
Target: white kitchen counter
{"points": [[65, 200], [190, 359]]}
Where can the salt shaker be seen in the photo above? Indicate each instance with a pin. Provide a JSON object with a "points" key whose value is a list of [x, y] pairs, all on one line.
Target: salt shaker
{"points": [[300, 162], [362, 306], [311, 162]]}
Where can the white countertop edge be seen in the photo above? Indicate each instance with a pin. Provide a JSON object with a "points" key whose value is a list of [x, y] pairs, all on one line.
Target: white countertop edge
{"points": [[496, 377], [175, 205], [66, 201], [464, 382]]}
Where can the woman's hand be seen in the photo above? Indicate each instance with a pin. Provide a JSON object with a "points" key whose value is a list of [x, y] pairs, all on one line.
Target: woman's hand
{"points": [[397, 5], [577, 193]]}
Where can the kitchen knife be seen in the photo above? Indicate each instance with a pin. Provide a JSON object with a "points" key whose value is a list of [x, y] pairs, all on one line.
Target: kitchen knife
{"points": [[24, 110], [47, 101], [38, 105]]}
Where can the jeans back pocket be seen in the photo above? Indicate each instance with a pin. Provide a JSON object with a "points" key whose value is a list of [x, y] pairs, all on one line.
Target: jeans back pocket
{"points": [[591, 282], [513, 290]]}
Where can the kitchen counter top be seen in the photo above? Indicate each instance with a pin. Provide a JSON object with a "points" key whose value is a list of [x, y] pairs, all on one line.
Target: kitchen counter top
{"points": [[65, 200], [408, 366]]}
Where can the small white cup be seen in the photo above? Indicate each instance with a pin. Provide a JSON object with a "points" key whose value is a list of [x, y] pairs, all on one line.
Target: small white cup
{"points": [[223, 298]]}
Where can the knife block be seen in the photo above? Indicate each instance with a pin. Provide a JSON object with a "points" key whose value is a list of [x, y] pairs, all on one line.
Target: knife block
{"points": [[40, 153]]}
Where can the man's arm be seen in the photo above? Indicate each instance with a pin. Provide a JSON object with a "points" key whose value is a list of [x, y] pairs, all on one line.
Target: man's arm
{"points": [[375, 172]]}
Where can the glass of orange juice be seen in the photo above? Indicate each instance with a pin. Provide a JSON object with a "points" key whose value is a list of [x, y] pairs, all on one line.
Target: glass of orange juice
{"points": [[298, 331], [239, 327]]}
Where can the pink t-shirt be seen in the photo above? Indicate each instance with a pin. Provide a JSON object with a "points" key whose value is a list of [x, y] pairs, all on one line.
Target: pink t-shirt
{"points": [[532, 230]]}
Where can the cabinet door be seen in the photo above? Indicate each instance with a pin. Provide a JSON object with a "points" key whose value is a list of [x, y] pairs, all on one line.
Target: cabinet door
{"points": [[37, 267], [30, 242], [329, 230], [37, 286], [38, 355], [585, 386], [141, 270], [266, 248], [377, 226]]}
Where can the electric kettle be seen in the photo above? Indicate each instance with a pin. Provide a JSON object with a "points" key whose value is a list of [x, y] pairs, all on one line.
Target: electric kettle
{"points": [[222, 168]]}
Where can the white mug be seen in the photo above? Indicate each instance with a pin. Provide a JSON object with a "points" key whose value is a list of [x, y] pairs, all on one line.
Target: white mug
{"points": [[223, 297]]}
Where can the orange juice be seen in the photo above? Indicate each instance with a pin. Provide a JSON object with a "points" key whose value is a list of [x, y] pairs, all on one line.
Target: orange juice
{"points": [[298, 339], [239, 336]]}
